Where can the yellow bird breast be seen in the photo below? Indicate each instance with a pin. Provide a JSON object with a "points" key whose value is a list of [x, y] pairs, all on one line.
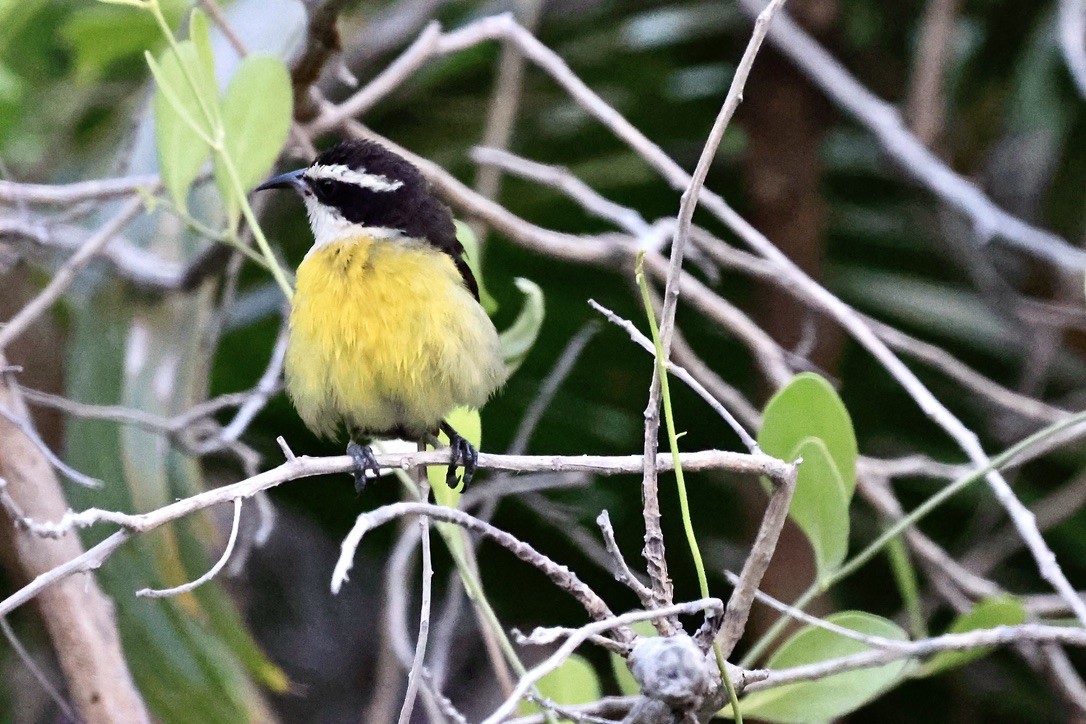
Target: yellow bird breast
{"points": [[385, 339]]}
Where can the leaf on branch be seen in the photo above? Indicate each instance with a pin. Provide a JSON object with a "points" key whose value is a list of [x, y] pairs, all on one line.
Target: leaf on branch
{"points": [[181, 128], [808, 406], [820, 505], [806, 419], [832, 696], [256, 114], [989, 613]]}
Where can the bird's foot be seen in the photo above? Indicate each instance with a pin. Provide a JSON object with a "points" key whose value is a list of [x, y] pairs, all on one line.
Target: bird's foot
{"points": [[364, 462], [463, 453]]}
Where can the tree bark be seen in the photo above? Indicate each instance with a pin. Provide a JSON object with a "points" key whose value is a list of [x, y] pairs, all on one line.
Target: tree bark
{"points": [[78, 616]]}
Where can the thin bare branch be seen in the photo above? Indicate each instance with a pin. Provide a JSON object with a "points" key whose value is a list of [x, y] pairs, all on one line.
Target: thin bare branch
{"points": [[981, 638], [211, 573], [26, 427], [765, 543], [67, 272], [63, 194], [622, 570]]}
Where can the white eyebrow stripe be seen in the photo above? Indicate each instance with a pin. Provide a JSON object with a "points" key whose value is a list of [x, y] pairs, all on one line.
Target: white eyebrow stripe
{"points": [[341, 172]]}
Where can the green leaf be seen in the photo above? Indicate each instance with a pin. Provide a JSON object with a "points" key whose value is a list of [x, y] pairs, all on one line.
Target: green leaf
{"points": [[181, 128], [627, 684], [466, 236], [256, 114], [989, 613], [574, 682], [517, 340], [808, 406], [820, 505], [832, 696], [200, 35]]}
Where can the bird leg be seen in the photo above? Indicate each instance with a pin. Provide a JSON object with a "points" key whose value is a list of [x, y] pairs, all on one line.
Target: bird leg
{"points": [[463, 452], [364, 461]]}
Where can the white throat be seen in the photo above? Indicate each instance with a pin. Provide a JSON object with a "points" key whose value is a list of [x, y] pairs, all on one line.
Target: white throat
{"points": [[329, 226]]}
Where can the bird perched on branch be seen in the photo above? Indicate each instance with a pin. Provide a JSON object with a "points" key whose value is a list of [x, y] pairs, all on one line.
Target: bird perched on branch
{"points": [[387, 335]]}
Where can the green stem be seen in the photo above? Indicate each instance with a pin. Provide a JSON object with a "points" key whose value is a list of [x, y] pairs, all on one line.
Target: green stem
{"points": [[680, 480], [213, 121], [905, 576], [258, 233], [474, 588]]}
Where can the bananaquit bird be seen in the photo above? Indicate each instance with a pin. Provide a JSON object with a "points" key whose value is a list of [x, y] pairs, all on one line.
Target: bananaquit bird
{"points": [[386, 332]]}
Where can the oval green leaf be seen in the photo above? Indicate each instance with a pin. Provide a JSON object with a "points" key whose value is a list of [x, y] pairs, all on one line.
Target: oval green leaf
{"points": [[517, 340], [832, 696], [989, 613], [820, 505], [181, 125], [808, 406], [256, 114], [574, 682]]}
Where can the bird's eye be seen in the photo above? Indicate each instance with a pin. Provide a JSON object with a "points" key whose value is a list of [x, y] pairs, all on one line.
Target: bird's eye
{"points": [[325, 186]]}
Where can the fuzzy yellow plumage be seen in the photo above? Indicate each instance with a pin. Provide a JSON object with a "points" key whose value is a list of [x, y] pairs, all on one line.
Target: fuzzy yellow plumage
{"points": [[386, 339]]}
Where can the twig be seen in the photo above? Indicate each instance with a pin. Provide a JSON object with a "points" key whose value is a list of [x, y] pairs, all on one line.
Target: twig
{"points": [[554, 379], [926, 100], [302, 467], [654, 538], [131, 262], [559, 575], [66, 274], [414, 676], [561, 179], [609, 708], [257, 398], [981, 638], [622, 571], [765, 543], [709, 605], [61, 194], [642, 341], [545, 636], [27, 428], [211, 573], [321, 43], [1065, 677], [879, 642]]}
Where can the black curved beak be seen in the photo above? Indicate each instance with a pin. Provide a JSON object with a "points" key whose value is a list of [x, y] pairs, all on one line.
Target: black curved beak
{"points": [[291, 179]]}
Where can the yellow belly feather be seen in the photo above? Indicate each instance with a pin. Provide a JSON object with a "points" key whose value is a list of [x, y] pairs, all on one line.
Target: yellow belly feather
{"points": [[384, 336]]}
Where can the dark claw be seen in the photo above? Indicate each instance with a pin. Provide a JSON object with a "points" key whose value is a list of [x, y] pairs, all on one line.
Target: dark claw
{"points": [[462, 453], [364, 461]]}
